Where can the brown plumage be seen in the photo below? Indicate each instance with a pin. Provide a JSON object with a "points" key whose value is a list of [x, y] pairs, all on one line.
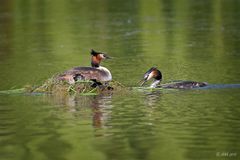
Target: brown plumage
{"points": [[184, 85], [154, 73], [87, 73], [96, 72]]}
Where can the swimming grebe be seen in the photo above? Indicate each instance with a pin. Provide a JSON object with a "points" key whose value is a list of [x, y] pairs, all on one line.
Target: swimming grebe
{"points": [[95, 73], [154, 73]]}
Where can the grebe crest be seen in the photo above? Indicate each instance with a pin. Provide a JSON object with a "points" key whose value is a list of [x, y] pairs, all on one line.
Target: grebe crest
{"points": [[154, 73], [97, 57], [95, 73]]}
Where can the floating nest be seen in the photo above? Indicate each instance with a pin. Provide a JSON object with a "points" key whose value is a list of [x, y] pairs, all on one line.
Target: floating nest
{"points": [[81, 87]]}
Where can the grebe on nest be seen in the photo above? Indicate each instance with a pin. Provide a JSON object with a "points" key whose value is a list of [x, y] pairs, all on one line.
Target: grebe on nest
{"points": [[154, 73], [95, 73]]}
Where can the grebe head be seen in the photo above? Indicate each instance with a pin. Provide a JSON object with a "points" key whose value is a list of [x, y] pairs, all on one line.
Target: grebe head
{"points": [[152, 73], [97, 57]]}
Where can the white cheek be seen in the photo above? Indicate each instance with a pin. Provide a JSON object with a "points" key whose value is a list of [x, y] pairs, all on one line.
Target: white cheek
{"points": [[102, 56], [150, 76]]}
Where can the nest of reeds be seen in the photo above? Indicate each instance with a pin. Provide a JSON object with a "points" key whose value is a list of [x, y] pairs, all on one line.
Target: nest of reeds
{"points": [[81, 87]]}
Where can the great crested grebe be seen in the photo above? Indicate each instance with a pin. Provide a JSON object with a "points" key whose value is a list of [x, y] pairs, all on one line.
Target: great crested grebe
{"points": [[154, 73], [95, 73]]}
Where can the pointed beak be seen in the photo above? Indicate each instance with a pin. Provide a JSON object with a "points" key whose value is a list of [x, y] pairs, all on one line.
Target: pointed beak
{"points": [[107, 57], [142, 82]]}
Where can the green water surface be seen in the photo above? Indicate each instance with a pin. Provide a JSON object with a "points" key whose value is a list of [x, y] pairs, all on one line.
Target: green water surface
{"points": [[185, 39]]}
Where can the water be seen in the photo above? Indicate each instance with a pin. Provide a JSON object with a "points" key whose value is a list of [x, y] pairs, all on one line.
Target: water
{"points": [[186, 40]]}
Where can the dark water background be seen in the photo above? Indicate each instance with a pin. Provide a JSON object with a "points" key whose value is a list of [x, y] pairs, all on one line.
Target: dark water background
{"points": [[187, 40]]}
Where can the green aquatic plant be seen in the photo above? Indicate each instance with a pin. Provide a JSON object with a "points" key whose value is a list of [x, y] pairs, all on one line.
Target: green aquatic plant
{"points": [[53, 86], [81, 87], [14, 91]]}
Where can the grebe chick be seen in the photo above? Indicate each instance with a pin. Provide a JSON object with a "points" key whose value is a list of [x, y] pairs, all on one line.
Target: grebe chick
{"points": [[154, 73], [95, 73]]}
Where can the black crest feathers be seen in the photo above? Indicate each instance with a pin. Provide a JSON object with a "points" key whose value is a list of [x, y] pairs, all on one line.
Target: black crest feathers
{"points": [[94, 53]]}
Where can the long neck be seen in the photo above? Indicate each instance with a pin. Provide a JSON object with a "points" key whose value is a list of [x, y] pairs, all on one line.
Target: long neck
{"points": [[155, 83], [95, 61]]}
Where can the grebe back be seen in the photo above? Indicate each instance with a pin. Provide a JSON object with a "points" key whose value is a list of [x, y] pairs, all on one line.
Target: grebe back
{"points": [[154, 73], [96, 72]]}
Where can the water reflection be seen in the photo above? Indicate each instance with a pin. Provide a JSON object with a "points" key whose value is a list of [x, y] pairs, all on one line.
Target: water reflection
{"points": [[152, 98], [196, 40], [131, 131], [99, 105]]}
